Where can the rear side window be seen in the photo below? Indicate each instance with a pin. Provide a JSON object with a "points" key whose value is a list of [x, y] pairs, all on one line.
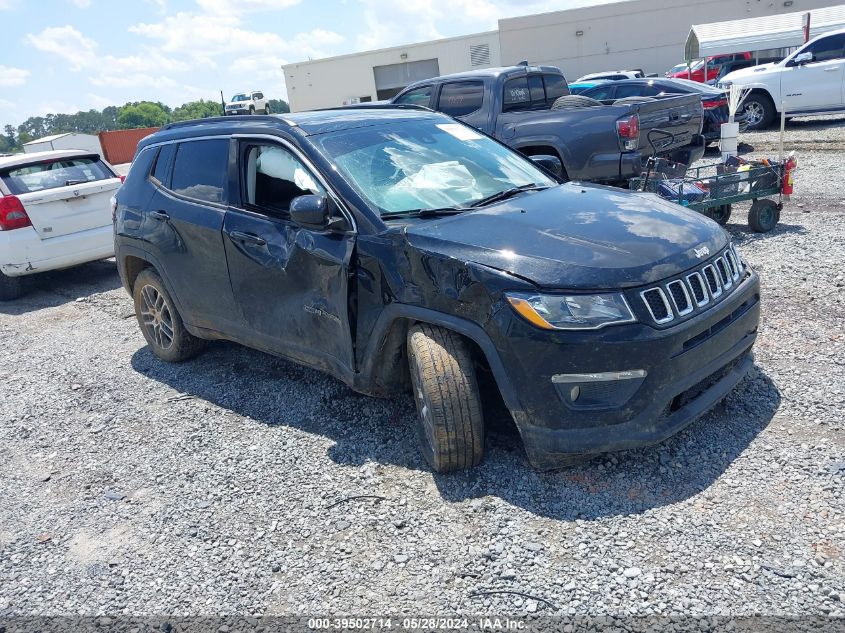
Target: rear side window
{"points": [[523, 93], [64, 172], [417, 96], [161, 169], [516, 95], [461, 98], [200, 169]]}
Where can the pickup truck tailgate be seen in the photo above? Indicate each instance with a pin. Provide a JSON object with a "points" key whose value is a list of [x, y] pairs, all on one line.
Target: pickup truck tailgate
{"points": [[681, 115]]}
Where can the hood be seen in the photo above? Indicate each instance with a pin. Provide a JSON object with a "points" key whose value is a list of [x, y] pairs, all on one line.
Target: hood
{"points": [[576, 237], [752, 73]]}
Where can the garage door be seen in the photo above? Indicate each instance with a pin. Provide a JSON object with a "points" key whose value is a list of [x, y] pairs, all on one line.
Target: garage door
{"points": [[393, 78]]}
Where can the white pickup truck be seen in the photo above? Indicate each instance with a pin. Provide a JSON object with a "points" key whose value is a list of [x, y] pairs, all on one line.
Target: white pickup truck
{"points": [[810, 81]]}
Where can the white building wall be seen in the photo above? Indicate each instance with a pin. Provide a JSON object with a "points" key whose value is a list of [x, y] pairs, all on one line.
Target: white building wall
{"points": [[647, 34], [86, 142], [329, 82]]}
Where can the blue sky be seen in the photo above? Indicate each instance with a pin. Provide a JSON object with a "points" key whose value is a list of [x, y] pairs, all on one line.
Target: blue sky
{"points": [[70, 55]]}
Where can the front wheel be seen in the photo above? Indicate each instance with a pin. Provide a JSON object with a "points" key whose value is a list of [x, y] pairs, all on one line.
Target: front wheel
{"points": [[450, 423], [160, 322], [720, 214], [763, 215], [759, 112], [10, 287]]}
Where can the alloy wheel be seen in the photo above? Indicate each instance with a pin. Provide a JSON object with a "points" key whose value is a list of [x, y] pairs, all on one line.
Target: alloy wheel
{"points": [[156, 316], [753, 113]]}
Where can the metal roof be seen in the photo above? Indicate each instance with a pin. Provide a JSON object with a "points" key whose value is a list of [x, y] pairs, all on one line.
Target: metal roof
{"points": [[47, 139], [35, 157], [759, 34]]}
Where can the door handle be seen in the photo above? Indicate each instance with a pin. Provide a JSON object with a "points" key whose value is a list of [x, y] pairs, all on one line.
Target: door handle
{"points": [[160, 215], [247, 237]]}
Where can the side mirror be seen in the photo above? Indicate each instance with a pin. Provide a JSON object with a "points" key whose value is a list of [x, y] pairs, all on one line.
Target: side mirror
{"points": [[315, 212], [801, 59], [551, 164]]}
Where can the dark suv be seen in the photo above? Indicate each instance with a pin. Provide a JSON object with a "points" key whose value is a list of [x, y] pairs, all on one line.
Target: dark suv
{"points": [[398, 249]]}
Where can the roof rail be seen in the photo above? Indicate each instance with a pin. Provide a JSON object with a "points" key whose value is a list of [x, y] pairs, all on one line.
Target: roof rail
{"points": [[377, 106], [218, 119]]}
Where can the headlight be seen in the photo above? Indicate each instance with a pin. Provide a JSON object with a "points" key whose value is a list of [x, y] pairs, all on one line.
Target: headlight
{"points": [[571, 312]]}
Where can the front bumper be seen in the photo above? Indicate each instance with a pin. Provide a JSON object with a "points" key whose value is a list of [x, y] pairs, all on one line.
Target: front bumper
{"points": [[238, 111], [689, 369]]}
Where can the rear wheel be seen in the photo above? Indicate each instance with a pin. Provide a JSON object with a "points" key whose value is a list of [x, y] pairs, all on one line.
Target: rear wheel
{"points": [[763, 215], [252, 109], [160, 323], [759, 111], [450, 424], [267, 109], [10, 287]]}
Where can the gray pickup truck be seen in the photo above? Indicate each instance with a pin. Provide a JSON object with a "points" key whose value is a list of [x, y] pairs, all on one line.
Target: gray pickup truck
{"points": [[522, 106]]}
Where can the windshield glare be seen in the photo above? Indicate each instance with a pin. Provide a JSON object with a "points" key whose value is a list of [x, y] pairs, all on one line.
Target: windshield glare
{"points": [[420, 165], [240, 98]]}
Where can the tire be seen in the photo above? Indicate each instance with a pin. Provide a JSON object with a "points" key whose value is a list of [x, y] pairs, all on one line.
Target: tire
{"points": [[267, 109], [160, 323], [10, 287], [759, 111], [252, 109], [568, 102], [625, 100], [763, 215], [450, 423], [720, 214]]}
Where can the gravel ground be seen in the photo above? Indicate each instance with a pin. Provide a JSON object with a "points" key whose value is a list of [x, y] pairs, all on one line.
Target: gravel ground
{"points": [[226, 485]]}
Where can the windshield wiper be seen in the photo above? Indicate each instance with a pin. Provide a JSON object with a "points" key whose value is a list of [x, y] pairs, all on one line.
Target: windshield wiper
{"points": [[422, 213], [507, 193]]}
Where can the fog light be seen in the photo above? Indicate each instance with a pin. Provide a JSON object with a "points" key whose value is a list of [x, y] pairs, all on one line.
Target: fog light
{"points": [[604, 390]]}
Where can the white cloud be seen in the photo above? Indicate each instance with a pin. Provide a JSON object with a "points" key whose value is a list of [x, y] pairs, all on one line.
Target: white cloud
{"points": [[204, 37], [13, 76], [229, 7], [68, 43], [82, 4], [146, 69]]}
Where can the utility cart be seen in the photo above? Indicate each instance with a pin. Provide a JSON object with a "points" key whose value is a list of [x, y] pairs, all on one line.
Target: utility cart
{"points": [[712, 189]]}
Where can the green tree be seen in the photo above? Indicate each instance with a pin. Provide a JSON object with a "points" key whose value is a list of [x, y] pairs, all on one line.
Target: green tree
{"points": [[11, 134], [142, 114], [279, 106], [197, 110]]}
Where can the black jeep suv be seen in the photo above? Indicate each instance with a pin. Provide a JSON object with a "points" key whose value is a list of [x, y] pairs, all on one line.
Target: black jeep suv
{"points": [[397, 249]]}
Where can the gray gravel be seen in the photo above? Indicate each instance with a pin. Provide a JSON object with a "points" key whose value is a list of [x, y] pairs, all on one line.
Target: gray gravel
{"points": [[130, 486]]}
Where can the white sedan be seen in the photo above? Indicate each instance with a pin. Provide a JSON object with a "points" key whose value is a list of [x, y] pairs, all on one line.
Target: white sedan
{"points": [[55, 212]]}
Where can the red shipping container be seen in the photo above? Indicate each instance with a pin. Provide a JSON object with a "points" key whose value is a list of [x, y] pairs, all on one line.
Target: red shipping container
{"points": [[119, 146]]}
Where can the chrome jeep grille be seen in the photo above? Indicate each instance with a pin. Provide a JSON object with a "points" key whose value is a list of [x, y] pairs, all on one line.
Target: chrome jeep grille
{"points": [[680, 297]]}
